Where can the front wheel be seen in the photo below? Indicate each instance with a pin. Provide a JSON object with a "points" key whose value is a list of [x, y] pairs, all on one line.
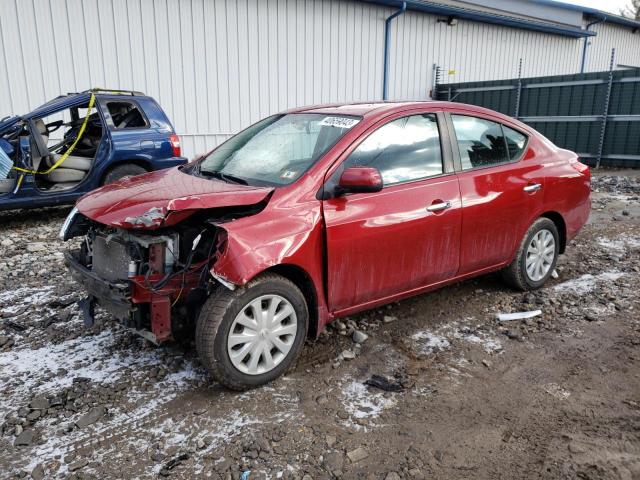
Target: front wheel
{"points": [[252, 335], [536, 257]]}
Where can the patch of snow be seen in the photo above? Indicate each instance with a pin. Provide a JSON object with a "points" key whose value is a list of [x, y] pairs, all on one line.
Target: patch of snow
{"points": [[26, 297], [148, 406], [29, 371], [556, 391], [490, 344], [26, 373], [599, 310], [223, 431], [362, 402], [620, 244], [429, 342], [587, 282]]}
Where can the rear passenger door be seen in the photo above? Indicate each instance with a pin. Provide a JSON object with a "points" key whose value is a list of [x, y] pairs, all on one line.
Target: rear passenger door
{"points": [[501, 189], [130, 129]]}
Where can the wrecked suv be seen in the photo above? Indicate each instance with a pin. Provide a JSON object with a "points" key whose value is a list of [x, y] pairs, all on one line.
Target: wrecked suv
{"points": [[319, 213], [79, 141]]}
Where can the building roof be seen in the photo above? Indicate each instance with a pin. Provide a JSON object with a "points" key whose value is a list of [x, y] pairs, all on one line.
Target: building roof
{"points": [[512, 19], [593, 12]]}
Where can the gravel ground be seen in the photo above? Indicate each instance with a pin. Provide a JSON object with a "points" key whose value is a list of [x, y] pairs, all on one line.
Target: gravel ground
{"points": [[554, 396]]}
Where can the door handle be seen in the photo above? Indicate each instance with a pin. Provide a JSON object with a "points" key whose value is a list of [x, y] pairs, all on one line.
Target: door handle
{"points": [[438, 207], [534, 187]]}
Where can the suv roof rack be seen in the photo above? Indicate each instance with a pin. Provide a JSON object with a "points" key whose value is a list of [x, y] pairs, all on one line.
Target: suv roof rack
{"points": [[115, 91]]}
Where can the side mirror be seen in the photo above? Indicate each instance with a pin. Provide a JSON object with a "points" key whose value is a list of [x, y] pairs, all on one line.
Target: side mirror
{"points": [[359, 180]]}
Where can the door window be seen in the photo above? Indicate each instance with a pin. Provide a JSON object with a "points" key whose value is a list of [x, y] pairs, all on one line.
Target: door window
{"points": [[403, 150], [516, 142], [481, 142]]}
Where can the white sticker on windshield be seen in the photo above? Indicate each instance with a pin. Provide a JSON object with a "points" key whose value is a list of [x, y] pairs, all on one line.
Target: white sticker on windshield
{"points": [[340, 122]]}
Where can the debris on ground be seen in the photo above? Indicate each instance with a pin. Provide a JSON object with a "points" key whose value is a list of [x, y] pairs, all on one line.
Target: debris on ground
{"points": [[359, 337], [357, 455], [476, 402], [173, 463], [383, 383], [507, 317]]}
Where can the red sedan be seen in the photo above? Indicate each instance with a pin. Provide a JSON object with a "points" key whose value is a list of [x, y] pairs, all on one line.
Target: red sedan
{"points": [[322, 212]]}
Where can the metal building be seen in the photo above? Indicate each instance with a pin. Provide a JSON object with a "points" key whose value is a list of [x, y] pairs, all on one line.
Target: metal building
{"points": [[217, 66]]}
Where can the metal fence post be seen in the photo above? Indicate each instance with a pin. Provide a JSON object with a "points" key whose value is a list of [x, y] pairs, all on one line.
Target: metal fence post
{"points": [[605, 112], [519, 90], [435, 80]]}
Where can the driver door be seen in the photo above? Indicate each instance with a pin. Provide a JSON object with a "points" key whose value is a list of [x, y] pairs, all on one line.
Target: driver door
{"points": [[407, 235]]}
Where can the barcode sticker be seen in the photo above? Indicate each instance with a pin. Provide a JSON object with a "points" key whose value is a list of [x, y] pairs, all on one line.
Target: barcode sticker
{"points": [[340, 122]]}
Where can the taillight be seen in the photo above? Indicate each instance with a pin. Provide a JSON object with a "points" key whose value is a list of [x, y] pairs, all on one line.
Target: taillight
{"points": [[175, 145], [579, 166]]}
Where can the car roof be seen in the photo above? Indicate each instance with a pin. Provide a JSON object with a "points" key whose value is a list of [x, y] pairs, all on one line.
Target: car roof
{"points": [[360, 109], [375, 110], [76, 99]]}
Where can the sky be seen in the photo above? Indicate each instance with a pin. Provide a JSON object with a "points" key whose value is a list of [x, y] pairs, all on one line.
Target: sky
{"points": [[612, 6]]}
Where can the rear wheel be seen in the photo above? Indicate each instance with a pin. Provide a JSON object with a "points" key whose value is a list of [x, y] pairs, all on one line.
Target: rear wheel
{"points": [[536, 257], [252, 335], [123, 171]]}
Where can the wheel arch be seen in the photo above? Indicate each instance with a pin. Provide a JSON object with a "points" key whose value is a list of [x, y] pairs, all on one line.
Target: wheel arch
{"points": [[303, 281], [125, 161], [561, 225]]}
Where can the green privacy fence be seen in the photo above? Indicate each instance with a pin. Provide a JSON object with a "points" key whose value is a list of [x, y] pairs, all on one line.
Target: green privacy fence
{"points": [[597, 115]]}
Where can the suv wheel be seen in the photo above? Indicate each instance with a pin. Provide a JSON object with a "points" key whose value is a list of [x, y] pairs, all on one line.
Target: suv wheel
{"points": [[252, 335], [123, 171], [536, 257]]}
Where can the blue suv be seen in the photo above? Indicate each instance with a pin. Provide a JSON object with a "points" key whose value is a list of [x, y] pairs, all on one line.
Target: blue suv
{"points": [[80, 141]]}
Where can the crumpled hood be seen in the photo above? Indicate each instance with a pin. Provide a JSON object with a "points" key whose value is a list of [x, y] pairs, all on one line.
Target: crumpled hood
{"points": [[163, 198]]}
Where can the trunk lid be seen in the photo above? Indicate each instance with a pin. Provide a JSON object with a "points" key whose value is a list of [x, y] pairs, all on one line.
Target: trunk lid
{"points": [[163, 198]]}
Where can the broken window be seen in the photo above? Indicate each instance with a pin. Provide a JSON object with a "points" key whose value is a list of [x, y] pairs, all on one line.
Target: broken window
{"points": [[53, 136], [126, 115]]}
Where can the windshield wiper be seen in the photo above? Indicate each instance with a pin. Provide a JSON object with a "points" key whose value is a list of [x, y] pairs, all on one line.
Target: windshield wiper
{"points": [[223, 176]]}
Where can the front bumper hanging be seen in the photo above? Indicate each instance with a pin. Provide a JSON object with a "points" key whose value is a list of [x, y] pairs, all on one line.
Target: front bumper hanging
{"points": [[128, 301], [113, 297]]}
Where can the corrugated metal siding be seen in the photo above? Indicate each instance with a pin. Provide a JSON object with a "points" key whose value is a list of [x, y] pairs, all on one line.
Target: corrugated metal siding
{"points": [[475, 51], [217, 66], [626, 43]]}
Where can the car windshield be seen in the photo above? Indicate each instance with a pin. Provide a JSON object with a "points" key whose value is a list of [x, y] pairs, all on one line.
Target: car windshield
{"points": [[275, 151]]}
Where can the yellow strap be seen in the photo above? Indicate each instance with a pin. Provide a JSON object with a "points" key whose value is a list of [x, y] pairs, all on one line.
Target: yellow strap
{"points": [[64, 156]]}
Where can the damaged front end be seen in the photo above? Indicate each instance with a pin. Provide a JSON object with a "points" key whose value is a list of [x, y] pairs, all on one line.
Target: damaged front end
{"points": [[153, 280]]}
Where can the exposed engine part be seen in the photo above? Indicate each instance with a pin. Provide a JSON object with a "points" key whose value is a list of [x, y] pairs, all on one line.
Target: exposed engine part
{"points": [[110, 259], [156, 281]]}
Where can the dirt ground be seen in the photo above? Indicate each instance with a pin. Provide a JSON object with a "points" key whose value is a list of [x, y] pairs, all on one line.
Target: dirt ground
{"points": [[555, 396]]}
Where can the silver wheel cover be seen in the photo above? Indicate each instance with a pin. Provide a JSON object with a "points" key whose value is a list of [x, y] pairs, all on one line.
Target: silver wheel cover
{"points": [[262, 334], [540, 255]]}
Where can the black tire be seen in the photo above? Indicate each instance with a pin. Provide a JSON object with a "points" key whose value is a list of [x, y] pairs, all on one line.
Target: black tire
{"points": [[217, 316], [515, 275], [121, 171]]}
